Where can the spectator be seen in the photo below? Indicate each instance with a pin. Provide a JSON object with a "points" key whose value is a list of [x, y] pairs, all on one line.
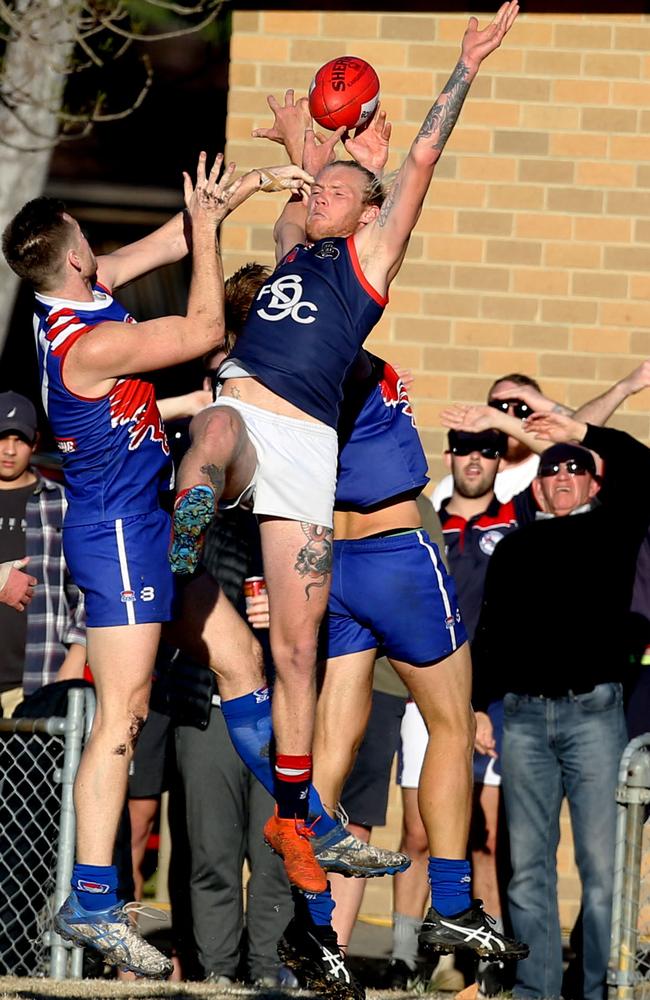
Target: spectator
{"points": [[564, 728], [48, 642], [226, 806], [518, 466]]}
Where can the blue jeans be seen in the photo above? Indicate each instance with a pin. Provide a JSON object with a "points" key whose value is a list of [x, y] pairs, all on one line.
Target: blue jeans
{"points": [[551, 748]]}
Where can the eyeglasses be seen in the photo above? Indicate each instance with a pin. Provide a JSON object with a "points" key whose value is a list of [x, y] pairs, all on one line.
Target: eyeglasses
{"points": [[519, 408], [572, 467], [468, 448]]}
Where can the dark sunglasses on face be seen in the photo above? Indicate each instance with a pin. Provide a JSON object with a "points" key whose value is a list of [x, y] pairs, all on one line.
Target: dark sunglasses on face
{"points": [[487, 451], [519, 409], [572, 467]]}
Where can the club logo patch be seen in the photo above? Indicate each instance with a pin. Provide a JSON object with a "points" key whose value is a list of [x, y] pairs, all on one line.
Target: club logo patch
{"points": [[489, 541], [328, 250]]}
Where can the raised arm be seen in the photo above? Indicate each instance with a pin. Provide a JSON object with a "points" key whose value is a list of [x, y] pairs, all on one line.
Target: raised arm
{"points": [[382, 244], [165, 245], [477, 418], [292, 128], [113, 349], [598, 411]]}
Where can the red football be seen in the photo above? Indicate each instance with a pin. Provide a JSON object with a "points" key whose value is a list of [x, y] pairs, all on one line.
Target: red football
{"points": [[344, 91]]}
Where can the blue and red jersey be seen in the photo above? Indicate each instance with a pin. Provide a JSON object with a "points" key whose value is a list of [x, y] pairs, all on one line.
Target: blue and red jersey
{"points": [[470, 544], [307, 324], [114, 448], [381, 456]]}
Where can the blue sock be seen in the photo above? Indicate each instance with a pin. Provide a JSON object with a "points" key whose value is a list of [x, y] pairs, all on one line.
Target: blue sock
{"points": [[95, 886], [451, 884], [248, 720], [319, 819], [320, 905]]}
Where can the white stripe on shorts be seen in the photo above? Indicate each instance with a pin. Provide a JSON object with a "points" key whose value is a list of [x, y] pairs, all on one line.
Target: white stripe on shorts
{"points": [[124, 570], [449, 612]]}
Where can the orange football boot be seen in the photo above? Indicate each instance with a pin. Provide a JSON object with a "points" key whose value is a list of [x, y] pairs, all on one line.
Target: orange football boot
{"points": [[290, 838]]}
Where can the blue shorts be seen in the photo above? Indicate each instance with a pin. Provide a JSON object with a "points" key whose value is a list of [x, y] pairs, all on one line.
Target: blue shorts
{"points": [[122, 569], [393, 593]]}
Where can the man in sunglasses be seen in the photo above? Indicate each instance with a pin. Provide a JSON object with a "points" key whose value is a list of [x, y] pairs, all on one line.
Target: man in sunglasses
{"points": [[552, 641], [518, 464]]}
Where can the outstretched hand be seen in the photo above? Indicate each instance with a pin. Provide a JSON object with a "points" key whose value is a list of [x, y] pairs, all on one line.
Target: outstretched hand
{"points": [[287, 177], [555, 427], [638, 379], [477, 44], [290, 121], [369, 146], [536, 400], [319, 151], [210, 197], [472, 419]]}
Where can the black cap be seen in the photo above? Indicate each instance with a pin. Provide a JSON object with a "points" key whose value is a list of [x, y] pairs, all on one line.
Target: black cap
{"points": [[482, 439], [17, 414], [568, 453]]}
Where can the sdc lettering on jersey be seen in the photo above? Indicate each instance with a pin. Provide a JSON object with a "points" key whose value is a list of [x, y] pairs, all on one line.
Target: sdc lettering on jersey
{"points": [[285, 300]]}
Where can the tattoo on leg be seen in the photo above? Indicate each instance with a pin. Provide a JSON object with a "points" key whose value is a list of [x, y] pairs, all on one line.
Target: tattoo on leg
{"points": [[217, 476], [314, 559]]}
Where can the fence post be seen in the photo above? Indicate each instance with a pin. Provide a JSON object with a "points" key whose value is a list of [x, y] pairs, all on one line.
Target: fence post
{"points": [[65, 856], [632, 795]]}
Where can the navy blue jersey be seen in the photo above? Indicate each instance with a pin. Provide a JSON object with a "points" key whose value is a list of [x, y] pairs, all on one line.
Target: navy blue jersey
{"points": [[115, 452], [471, 543], [381, 456], [307, 324]]}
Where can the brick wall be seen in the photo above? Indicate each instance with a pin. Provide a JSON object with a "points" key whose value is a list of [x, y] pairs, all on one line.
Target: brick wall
{"points": [[532, 251]]}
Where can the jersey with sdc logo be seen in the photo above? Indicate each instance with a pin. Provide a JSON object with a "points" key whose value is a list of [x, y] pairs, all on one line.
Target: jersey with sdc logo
{"points": [[307, 324]]}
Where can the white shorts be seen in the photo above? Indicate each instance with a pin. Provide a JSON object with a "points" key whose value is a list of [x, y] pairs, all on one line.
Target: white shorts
{"points": [[413, 745], [296, 465]]}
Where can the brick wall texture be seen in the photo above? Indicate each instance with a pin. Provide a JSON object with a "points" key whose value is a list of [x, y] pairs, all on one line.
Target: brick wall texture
{"points": [[532, 252]]}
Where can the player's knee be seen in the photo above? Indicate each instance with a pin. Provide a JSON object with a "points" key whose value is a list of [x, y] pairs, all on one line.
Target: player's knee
{"points": [[295, 657], [414, 840], [216, 430], [456, 721]]}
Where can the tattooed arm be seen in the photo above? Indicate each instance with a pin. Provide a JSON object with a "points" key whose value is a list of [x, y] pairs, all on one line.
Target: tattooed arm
{"points": [[382, 244]]}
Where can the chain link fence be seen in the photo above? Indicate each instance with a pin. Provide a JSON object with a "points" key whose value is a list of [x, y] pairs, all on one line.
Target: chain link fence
{"points": [[38, 764], [629, 964]]}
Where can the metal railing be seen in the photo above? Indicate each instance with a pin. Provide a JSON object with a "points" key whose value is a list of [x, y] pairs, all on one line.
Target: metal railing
{"points": [[629, 963], [38, 764]]}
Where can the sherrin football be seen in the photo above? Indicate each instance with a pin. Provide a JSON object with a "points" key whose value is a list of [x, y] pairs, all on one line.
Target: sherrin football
{"points": [[345, 91]]}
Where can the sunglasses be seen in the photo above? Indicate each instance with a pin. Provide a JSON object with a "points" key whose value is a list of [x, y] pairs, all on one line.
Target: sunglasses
{"points": [[519, 409], [572, 467], [467, 448]]}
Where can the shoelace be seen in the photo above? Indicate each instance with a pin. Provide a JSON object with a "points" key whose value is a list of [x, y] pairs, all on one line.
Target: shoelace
{"points": [[303, 829], [137, 909]]}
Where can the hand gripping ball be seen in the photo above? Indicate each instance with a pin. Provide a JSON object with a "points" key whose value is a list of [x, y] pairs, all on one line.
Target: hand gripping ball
{"points": [[345, 91]]}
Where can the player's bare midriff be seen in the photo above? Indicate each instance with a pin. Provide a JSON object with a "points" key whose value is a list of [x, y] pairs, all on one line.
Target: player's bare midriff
{"points": [[351, 524], [249, 390]]}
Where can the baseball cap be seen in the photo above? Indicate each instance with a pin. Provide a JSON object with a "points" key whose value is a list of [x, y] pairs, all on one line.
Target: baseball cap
{"points": [[17, 414], [567, 453], [466, 441]]}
